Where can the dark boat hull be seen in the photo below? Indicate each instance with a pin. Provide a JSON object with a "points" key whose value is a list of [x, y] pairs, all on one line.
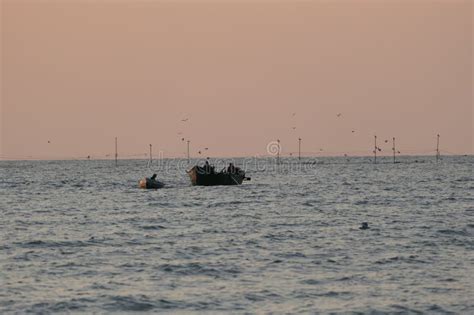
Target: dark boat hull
{"points": [[200, 178], [148, 183]]}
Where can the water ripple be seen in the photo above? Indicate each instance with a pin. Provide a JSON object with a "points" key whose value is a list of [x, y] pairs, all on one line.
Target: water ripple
{"points": [[79, 237]]}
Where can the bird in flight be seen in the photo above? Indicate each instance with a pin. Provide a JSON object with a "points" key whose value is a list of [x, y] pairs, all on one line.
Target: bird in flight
{"points": [[293, 115], [49, 141], [353, 131], [182, 139], [339, 115], [185, 120], [294, 128]]}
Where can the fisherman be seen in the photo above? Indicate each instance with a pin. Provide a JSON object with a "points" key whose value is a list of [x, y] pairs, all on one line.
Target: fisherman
{"points": [[208, 169], [231, 169]]}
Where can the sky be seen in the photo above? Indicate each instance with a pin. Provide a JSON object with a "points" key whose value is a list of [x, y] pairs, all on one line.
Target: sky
{"points": [[233, 76]]}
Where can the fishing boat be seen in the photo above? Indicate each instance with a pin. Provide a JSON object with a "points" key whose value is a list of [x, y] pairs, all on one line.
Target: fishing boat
{"points": [[200, 177], [150, 183]]}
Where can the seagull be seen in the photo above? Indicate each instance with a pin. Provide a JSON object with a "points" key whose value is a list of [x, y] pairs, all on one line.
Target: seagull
{"points": [[185, 120], [386, 141], [49, 141], [353, 131], [182, 139], [339, 115], [293, 115], [199, 152], [206, 149], [294, 128]]}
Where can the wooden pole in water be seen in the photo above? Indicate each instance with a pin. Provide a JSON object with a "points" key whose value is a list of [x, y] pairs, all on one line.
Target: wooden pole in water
{"points": [[299, 149], [278, 152], [393, 148], [375, 149], [116, 152], [188, 150], [151, 157], [437, 149]]}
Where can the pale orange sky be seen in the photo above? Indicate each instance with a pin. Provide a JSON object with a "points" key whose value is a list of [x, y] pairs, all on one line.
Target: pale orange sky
{"points": [[79, 73]]}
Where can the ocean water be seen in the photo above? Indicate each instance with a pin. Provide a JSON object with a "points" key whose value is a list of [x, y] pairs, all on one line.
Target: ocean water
{"points": [[80, 237]]}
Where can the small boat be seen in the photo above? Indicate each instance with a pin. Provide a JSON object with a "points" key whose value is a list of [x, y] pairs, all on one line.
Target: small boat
{"points": [[150, 183], [199, 177]]}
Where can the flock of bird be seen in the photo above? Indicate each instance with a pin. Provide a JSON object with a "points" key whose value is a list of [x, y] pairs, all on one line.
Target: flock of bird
{"points": [[293, 115]]}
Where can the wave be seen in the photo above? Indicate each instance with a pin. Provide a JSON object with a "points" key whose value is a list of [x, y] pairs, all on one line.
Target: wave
{"points": [[412, 259], [192, 269], [53, 244]]}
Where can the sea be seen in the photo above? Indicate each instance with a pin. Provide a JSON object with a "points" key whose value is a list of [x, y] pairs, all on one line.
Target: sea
{"points": [[79, 236]]}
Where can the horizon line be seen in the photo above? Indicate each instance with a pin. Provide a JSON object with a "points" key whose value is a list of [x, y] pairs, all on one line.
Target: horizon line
{"points": [[282, 157]]}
